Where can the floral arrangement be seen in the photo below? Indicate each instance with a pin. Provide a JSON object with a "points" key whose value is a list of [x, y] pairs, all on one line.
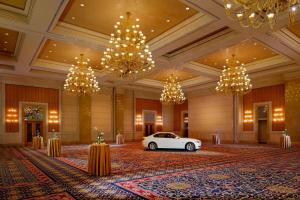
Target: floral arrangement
{"points": [[285, 132], [33, 113], [100, 136], [54, 135]]}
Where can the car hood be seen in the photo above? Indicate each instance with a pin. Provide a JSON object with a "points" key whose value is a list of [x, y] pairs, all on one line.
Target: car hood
{"points": [[190, 139]]}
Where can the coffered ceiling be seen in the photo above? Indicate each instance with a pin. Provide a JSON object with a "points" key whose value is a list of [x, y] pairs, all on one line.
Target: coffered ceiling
{"points": [[8, 42], [246, 52], [19, 4], [182, 74], [67, 53], [44, 37], [156, 16], [295, 29]]}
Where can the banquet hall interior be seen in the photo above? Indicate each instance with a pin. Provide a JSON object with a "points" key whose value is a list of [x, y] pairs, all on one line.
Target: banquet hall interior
{"points": [[84, 82]]}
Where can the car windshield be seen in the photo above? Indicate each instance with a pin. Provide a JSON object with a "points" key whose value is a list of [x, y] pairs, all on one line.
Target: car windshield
{"points": [[165, 135]]}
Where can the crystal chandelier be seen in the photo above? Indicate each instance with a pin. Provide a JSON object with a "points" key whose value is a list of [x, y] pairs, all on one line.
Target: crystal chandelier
{"points": [[127, 54], [255, 13], [172, 92], [81, 79], [234, 79]]}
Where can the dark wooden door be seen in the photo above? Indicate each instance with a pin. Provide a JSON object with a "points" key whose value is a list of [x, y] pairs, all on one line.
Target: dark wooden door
{"points": [[262, 131], [149, 129], [32, 128]]}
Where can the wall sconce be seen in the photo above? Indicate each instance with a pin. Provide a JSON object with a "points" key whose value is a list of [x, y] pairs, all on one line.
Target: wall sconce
{"points": [[138, 120], [278, 115], [248, 117], [53, 117], [159, 121], [12, 116]]}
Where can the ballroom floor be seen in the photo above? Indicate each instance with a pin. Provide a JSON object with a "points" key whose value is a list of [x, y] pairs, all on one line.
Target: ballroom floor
{"points": [[215, 172]]}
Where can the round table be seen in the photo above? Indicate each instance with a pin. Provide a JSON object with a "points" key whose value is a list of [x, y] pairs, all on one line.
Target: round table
{"points": [[37, 142], [54, 147], [285, 141], [99, 163], [120, 139], [216, 139]]}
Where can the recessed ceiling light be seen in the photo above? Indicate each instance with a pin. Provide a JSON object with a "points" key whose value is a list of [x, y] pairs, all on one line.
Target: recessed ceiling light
{"points": [[46, 56], [73, 18], [5, 49], [6, 34], [82, 5], [168, 20], [152, 30], [254, 58], [187, 8], [5, 42], [54, 44], [50, 51], [255, 43]]}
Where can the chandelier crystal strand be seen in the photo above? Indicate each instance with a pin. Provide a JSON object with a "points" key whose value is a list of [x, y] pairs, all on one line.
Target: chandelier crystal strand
{"points": [[127, 54], [255, 13], [234, 79], [81, 79], [172, 92]]}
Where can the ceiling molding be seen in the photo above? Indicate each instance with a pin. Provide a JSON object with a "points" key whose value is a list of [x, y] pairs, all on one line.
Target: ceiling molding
{"points": [[288, 38], [191, 24], [195, 81], [203, 69], [149, 82]]}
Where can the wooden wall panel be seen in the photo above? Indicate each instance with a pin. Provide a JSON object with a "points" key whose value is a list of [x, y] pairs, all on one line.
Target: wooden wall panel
{"points": [[148, 104], [274, 94], [177, 115], [16, 93]]}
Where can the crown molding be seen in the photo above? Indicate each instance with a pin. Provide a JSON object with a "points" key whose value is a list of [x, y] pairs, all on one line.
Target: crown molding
{"points": [[191, 24], [149, 82], [288, 38], [203, 69], [195, 81]]}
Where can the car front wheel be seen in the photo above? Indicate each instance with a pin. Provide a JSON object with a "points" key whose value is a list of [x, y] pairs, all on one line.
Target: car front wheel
{"points": [[190, 146], [152, 146]]}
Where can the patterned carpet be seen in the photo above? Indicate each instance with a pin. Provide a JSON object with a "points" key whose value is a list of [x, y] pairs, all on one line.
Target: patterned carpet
{"points": [[215, 172]]}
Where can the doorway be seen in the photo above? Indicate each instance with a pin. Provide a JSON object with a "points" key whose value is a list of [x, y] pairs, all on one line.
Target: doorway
{"points": [[262, 116], [149, 129], [32, 128], [149, 122]]}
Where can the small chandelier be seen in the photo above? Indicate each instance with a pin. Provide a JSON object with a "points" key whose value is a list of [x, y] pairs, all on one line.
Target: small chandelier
{"points": [[127, 54], [255, 13], [234, 79], [172, 92], [81, 79]]}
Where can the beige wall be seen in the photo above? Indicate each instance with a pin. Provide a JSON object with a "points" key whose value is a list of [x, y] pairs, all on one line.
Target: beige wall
{"points": [[69, 119], [102, 114], [208, 113], [167, 116], [128, 129], [292, 107]]}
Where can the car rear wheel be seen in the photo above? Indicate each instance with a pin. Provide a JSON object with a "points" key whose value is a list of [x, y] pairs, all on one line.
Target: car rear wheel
{"points": [[152, 146], [190, 146]]}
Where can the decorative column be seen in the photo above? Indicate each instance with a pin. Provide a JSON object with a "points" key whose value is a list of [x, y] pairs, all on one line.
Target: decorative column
{"points": [[85, 119], [235, 118]]}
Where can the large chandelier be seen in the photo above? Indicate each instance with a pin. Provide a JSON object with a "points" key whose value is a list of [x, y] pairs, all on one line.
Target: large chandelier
{"points": [[172, 92], [81, 79], [234, 79], [255, 13], [127, 54]]}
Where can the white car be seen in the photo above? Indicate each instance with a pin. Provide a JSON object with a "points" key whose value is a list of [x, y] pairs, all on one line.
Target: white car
{"points": [[169, 140]]}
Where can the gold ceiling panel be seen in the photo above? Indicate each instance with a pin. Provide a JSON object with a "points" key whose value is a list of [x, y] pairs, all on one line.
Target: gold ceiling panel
{"points": [[182, 74], [156, 16], [19, 4], [8, 41], [66, 52], [246, 52], [295, 29]]}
